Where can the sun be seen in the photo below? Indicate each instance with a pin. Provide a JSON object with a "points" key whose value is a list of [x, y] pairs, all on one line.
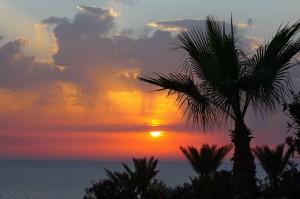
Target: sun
{"points": [[155, 133]]}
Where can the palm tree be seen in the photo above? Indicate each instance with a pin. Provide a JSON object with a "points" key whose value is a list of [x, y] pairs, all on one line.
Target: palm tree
{"points": [[273, 162], [219, 82], [129, 183], [140, 178], [144, 173], [205, 163], [207, 160], [121, 183]]}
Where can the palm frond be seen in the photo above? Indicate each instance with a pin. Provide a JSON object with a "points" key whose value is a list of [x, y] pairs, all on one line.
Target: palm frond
{"points": [[272, 161], [266, 78], [192, 154], [198, 106], [212, 56], [213, 65], [207, 160]]}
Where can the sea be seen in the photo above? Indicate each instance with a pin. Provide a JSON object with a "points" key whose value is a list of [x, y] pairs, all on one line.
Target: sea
{"points": [[67, 179]]}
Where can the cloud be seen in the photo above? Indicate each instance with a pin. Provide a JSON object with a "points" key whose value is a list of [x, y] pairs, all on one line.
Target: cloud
{"points": [[178, 25], [250, 22], [131, 2], [55, 20], [92, 58], [183, 24], [92, 65], [249, 44], [93, 71], [100, 12], [93, 55], [19, 71]]}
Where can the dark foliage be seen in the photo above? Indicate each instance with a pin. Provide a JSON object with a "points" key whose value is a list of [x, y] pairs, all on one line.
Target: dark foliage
{"points": [[293, 111], [137, 183], [219, 186], [286, 187], [207, 159], [273, 161]]}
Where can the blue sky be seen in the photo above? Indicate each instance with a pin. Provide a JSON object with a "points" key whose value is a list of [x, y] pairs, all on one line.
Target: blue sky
{"points": [[267, 15]]}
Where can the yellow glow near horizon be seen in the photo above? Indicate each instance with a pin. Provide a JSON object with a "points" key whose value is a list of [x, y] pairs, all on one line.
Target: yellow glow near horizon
{"points": [[156, 133]]}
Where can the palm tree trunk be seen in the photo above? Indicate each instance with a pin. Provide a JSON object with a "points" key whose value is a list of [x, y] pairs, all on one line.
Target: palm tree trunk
{"points": [[243, 162]]}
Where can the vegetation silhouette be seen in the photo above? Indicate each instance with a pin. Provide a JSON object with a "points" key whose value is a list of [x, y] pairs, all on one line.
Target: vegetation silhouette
{"points": [[293, 111], [129, 184], [273, 161], [209, 183], [135, 184], [281, 172], [219, 82], [205, 163], [207, 160]]}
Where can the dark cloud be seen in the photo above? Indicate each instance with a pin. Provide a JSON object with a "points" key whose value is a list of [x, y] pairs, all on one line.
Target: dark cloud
{"points": [[90, 59], [250, 22], [89, 53], [19, 71], [55, 20]]}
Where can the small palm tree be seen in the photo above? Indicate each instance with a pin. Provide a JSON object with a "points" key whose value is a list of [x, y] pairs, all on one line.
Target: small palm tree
{"points": [[144, 173], [220, 82], [205, 163], [207, 160], [273, 161], [130, 183], [117, 185], [135, 182]]}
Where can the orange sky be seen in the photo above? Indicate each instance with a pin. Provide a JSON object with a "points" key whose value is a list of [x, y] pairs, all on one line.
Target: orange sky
{"points": [[67, 127], [69, 88], [62, 131], [106, 146]]}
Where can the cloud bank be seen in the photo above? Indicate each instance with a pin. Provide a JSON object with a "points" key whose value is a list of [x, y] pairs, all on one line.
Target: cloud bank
{"points": [[93, 67], [93, 71]]}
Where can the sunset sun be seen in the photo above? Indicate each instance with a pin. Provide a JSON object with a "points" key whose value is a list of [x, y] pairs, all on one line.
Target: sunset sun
{"points": [[155, 133]]}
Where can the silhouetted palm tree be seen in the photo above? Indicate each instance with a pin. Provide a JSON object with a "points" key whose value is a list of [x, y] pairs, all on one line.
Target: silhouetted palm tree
{"points": [[129, 184], [220, 82], [207, 160], [143, 174], [273, 161], [205, 163]]}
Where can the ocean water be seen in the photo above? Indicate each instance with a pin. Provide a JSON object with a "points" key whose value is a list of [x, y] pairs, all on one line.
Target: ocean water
{"points": [[49, 179]]}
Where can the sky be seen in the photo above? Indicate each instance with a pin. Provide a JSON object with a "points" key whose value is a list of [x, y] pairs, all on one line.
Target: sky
{"points": [[68, 75]]}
